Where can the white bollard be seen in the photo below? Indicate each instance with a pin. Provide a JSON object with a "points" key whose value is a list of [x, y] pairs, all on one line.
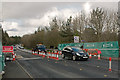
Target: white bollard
{"points": [[109, 63], [98, 56]]}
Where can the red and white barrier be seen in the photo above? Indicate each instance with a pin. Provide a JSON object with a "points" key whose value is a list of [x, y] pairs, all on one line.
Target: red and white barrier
{"points": [[109, 63]]}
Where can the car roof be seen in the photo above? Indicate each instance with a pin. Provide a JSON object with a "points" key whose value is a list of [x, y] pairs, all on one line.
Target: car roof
{"points": [[70, 47]]}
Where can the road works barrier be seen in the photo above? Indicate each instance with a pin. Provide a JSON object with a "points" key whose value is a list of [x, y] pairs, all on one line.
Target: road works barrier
{"points": [[93, 52], [56, 55], [9, 49]]}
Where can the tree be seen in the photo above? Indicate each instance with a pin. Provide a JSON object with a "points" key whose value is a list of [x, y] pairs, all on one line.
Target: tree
{"points": [[67, 30], [89, 35], [5, 38], [97, 21]]}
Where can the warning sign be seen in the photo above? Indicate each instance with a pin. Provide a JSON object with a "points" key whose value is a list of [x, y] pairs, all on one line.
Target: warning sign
{"points": [[7, 49], [76, 39]]}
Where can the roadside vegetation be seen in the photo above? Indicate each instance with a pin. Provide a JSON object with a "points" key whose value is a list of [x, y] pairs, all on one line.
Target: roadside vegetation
{"points": [[98, 26]]}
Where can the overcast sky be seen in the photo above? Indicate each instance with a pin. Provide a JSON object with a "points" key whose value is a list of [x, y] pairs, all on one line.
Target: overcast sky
{"points": [[20, 18]]}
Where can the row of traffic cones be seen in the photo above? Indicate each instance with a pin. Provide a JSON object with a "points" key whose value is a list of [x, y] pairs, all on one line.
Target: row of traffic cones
{"points": [[52, 55]]}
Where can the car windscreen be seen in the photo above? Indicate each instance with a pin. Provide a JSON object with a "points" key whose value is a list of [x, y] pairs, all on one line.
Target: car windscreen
{"points": [[77, 50], [41, 47]]}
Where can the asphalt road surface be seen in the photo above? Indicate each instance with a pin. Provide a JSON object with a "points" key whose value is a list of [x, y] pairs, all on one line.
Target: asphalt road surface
{"points": [[38, 67]]}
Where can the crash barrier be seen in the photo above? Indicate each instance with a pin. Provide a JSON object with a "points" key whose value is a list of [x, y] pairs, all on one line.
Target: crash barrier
{"points": [[50, 54], [93, 52], [108, 49]]}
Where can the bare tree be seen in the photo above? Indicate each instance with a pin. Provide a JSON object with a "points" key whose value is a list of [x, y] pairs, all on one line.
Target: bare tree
{"points": [[97, 21]]}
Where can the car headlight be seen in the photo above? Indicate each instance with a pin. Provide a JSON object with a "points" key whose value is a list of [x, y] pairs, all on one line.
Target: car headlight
{"points": [[78, 54]]}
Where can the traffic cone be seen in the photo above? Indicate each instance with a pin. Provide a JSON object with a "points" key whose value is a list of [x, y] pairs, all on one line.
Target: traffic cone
{"points": [[33, 52], [90, 56], [98, 56], [48, 54], [13, 57], [43, 54], [57, 56]]}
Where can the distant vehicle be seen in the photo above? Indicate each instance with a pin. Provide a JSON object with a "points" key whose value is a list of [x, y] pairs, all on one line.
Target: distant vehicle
{"points": [[74, 53], [21, 47], [8, 56], [14, 48], [41, 47]]}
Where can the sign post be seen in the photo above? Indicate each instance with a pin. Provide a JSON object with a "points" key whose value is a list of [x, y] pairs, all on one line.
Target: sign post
{"points": [[7, 49], [76, 39]]}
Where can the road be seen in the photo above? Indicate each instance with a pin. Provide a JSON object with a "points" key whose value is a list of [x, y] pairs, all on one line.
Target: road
{"points": [[38, 67]]}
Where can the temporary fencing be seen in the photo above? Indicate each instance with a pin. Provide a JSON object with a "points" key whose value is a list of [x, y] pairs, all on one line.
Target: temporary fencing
{"points": [[9, 49], [93, 52]]}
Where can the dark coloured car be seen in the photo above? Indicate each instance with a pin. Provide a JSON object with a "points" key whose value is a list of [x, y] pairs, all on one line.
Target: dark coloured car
{"points": [[8, 56], [39, 47], [14, 48], [74, 53]]}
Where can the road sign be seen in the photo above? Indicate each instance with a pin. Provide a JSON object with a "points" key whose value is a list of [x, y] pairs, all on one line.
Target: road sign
{"points": [[76, 39], [7, 49]]}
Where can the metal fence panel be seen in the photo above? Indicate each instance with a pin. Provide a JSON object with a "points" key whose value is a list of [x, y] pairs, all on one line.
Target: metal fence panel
{"points": [[108, 49]]}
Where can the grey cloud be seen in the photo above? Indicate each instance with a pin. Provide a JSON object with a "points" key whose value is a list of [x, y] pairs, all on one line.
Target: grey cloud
{"points": [[24, 11], [13, 29]]}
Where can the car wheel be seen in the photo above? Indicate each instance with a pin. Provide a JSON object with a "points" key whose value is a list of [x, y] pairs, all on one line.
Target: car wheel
{"points": [[86, 59], [74, 58], [63, 56]]}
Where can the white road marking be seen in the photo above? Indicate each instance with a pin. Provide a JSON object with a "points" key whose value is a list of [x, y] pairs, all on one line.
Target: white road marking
{"points": [[24, 69], [31, 58]]}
